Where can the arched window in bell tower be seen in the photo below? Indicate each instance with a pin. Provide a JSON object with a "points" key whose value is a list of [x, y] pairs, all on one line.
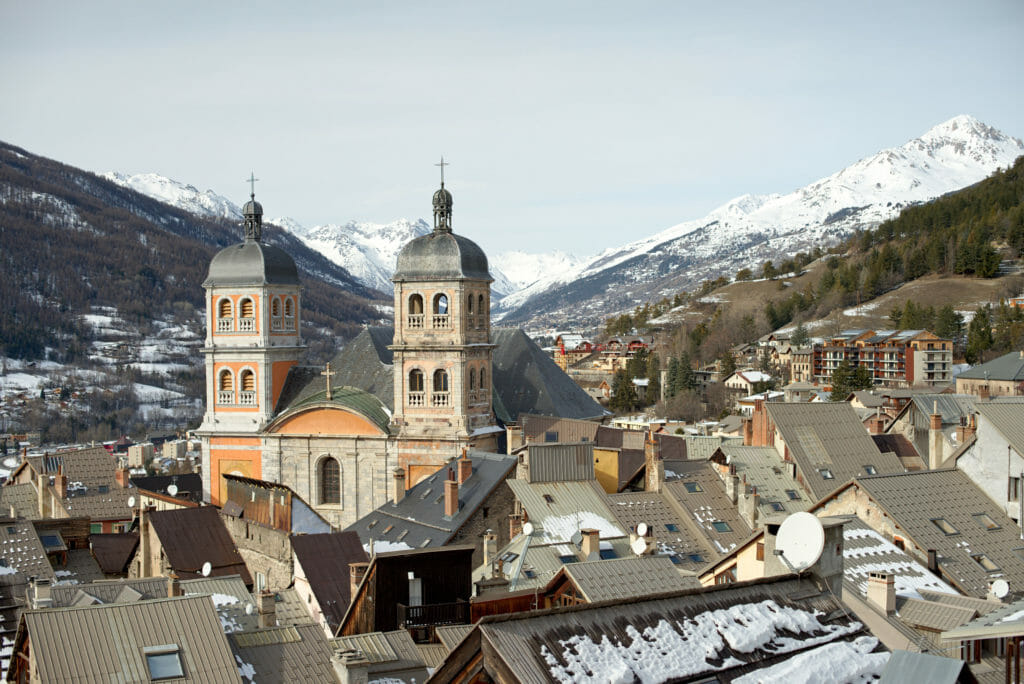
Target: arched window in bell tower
{"points": [[330, 481], [416, 382], [415, 319], [439, 391], [483, 378], [481, 312], [289, 313], [225, 387], [247, 315], [224, 323], [440, 318], [247, 388], [472, 380], [469, 305]]}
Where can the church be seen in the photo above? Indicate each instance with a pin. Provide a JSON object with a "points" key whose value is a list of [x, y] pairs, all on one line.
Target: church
{"points": [[414, 396]]}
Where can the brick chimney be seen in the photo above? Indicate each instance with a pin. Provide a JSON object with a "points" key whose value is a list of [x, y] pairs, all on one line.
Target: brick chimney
{"points": [[882, 591], [398, 485], [173, 586], [123, 478], [590, 549], [451, 498], [935, 439], [465, 468], [356, 572], [654, 466], [983, 394], [266, 609]]}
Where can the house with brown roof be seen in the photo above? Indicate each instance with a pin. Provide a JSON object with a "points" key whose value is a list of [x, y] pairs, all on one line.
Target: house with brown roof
{"points": [[182, 542], [327, 569]]}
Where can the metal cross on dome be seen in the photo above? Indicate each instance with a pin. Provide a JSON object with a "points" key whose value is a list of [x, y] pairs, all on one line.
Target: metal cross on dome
{"points": [[442, 165], [251, 180], [328, 373]]}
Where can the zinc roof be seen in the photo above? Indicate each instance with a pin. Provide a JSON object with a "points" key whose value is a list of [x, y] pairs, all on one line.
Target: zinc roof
{"points": [[709, 505], [632, 577], [1008, 419], [290, 608], [452, 635], [560, 462], [764, 471], [913, 500], [106, 642], [668, 530], [952, 407], [1007, 367], [828, 436], [297, 653], [559, 509], [88, 470]]}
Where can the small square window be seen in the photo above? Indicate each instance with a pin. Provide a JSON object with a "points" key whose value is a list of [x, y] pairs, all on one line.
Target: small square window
{"points": [[164, 662], [529, 574], [944, 525], [776, 506], [826, 474], [870, 469], [693, 487], [792, 494], [550, 436], [671, 527], [721, 526], [985, 521], [985, 562], [508, 557]]}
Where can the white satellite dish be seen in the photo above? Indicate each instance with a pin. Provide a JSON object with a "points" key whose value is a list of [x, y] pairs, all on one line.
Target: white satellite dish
{"points": [[172, 489], [800, 541], [1000, 588], [248, 609], [206, 569], [528, 529], [131, 502], [641, 529], [639, 546]]}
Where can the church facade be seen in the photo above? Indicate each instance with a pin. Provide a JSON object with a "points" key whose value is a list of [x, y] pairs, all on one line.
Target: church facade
{"points": [[339, 445]]}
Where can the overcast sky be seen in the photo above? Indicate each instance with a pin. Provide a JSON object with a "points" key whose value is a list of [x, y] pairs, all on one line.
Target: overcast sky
{"points": [[570, 125]]}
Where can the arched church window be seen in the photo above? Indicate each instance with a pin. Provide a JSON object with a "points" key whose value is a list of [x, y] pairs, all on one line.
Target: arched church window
{"points": [[275, 307], [440, 319], [330, 481], [416, 382], [472, 379], [469, 304], [415, 311], [225, 387], [247, 387], [483, 378], [247, 315], [481, 312], [289, 307], [439, 393], [224, 315]]}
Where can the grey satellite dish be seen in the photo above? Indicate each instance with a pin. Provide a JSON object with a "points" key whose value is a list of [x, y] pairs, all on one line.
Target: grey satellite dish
{"points": [[577, 539], [800, 541], [528, 529], [206, 569], [131, 502], [1000, 588], [639, 546], [172, 489], [641, 529]]}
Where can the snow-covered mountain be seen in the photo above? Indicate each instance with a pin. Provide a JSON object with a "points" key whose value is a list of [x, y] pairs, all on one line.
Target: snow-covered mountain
{"points": [[750, 229], [187, 197], [523, 270]]}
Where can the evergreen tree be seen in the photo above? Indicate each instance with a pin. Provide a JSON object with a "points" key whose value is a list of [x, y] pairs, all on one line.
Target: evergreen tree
{"points": [[685, 380], [846, 379], [653, 379], [800, 336], [672, 379], [948, 324], [727, 364], [623, 393], [979, 335]]}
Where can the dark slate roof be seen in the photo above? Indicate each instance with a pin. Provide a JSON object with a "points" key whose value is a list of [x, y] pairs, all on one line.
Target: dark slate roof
{"points": [[441, 255], [1006, 367], [671, 447], [193, 536], [190, 485], [89, 471], [325, 559], [952, 407], [528, 381], [418, 520], [113, 551], [609, 437], [251, 263]]}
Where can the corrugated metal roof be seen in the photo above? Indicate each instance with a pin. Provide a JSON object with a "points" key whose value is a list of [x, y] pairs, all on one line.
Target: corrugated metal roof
{"points": [[108, 591], [622, 578], [451, 635], [765, 472], [1007, 367], [105, 643], [1008, 419], [667, 528], [534, 567], [952, 407], [558, 509], [282, 655], [564, 430], [560, 462], [373, 646]]}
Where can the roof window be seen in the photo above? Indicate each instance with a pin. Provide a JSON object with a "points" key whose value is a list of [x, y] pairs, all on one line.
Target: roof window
{"points": [[607, 554], [985, 562], [570, 558], [721, 526], [826, 474], [870, 469], [946, 528], [986, 521], [776, 506], [693, 487], [550, 499], [164, 662], [792, 494], [671, 527], [696, 558], [529, 574]]}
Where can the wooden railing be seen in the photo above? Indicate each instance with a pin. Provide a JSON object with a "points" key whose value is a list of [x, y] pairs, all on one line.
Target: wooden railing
{"points": [[434, 614]]}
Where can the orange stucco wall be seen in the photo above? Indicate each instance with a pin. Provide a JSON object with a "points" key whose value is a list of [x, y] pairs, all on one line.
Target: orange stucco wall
{"points": [[245, 462], [236, 368], [279, 373], [328, 421], [235, 299]]}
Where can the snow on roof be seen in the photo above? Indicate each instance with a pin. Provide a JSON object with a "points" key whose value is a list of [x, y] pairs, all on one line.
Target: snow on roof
{"points": [[842, 661]]}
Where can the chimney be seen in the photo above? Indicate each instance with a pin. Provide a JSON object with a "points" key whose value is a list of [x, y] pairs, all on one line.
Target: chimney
{"points": [[266, 609], [356, 572], [173, 586], [351, 666], [41, 488], [654, 467], [123, 478], [465, 466], [41, 594], [515, 525], [983, 394], [590, 549], [882, 591], [144, 543], [490, 546], [933, 562], [60, 483], [935, 440], [451, 498], [748, 431], [398, 488]]}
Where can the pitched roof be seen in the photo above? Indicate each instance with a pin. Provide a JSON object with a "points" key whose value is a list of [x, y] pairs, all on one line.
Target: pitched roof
{"points": [[539, 428], [190, 485], [893, 443], [191, 537], [21, 550], [394, 656], [622, 578], [231, 599], [763, 470], [530, 561], [282, 655], [20, 500], [952, 407], [113, 552], [701, 493], [914, 500], [92, 491], [828, 436], [557, 510], [325, 559], [865, 551], [109, 591], [1009, 366], [668, 530], [107, 642], [418, 520], [1008, 419], [905, 666]]}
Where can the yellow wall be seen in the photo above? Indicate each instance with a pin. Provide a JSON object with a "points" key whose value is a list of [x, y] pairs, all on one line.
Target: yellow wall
{"points": [[747, 565], [606, 468]]}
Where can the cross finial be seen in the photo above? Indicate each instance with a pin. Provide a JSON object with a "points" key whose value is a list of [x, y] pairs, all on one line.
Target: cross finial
{"points": [[442, 165], [251, 180], [328, 373]]}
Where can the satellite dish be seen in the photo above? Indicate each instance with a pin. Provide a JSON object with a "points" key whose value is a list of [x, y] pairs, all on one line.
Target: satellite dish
{"points": [[248, 609], [528, 529], [206, 569], [1000, 588], [641, 529], [800, 541], [639, 546], [172, 489], [577, 539], [131, 502]]}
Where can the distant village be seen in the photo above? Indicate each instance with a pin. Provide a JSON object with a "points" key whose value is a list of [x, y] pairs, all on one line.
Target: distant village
{"points": [[447, 502]]}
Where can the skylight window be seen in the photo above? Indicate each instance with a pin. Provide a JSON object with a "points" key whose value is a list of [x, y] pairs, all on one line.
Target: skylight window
{"points": [[985, 521], [529, 574], [696, 558], [776, 506], [508, 557], [792, 494], [671, 527], [946, 528], [550, 499], [985, 562], [693, 487], [571, 558], [721, 526], [870, 469], [164, 662], [607, 554], [826, 474]]}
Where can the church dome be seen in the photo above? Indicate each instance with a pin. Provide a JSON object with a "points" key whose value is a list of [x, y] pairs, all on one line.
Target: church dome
{"points": [[442, 200], [251, 263], [441, 255], [252, 208]]}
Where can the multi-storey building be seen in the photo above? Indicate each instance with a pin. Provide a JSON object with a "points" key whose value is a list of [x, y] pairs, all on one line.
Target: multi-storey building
{"points": [[904, 358]]}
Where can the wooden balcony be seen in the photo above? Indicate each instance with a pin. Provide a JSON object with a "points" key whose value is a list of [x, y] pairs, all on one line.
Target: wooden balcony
{"points": [[434, 614]]}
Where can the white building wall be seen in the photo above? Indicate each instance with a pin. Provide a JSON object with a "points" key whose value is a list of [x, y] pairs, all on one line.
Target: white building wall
{"points": [[990, 463]]}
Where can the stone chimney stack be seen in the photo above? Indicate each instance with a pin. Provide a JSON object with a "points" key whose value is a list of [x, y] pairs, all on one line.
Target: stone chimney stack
{"points": [[60, 483], [590, 549], [465, 468], [356, 572], [398, 485], [266, 609], [42, 594], [123, 478], [935, 439], [882, 591], [173, 586], [351, 667], [515, 525], [490, 546], [654, 467], [983, 393], [451, 498]]}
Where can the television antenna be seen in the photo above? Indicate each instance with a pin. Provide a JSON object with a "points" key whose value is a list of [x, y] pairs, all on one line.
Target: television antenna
{"points": [[207, 568], [800, 541]]}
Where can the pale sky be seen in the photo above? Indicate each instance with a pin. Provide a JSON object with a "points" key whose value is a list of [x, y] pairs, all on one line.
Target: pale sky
{"points": [[568, 125]]}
